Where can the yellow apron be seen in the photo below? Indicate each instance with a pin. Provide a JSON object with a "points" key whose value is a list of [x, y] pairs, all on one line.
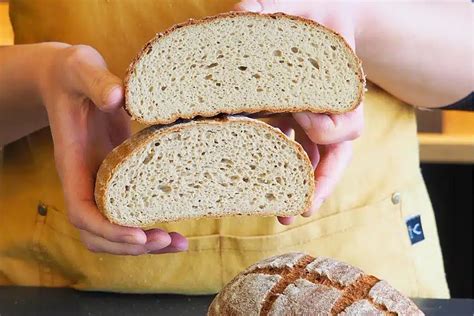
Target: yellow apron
{"points": [[363, 222]]}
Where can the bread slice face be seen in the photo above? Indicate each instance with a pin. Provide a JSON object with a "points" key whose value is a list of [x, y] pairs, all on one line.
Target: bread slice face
{"points": [[299, 284], [243, 62], [204, 168]]}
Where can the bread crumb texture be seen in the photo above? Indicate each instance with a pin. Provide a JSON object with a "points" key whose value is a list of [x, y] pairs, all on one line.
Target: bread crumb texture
{"points": [[243, 62], [207, 168]]}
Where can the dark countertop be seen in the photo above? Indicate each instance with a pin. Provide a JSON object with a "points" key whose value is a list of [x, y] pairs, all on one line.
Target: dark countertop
{"points": [[26, 301]]}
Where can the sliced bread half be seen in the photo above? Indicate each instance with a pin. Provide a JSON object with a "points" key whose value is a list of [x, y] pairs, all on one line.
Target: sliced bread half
{"points": [[243, 63], [204, 168]]}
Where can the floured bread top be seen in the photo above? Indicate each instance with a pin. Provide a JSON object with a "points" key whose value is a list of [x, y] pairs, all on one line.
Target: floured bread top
{"points": [[298, 284]]}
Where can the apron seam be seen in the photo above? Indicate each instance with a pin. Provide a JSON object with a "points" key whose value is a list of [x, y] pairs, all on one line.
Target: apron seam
{"points": [[416, 182], [221, 259], [38, 254], [306, 241], [62, 233]]}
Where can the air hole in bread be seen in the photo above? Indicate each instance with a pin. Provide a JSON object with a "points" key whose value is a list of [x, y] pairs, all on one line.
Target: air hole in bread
{"points": [[270, 197], [277, 53], [165, 188], [314, 63]]}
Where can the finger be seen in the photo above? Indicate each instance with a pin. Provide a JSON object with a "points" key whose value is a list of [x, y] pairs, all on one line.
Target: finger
{"points": [[78, 185], [292, 129], [286, 220], [309, 146], [178, 244], [157, 239], [284, 124], [327, 129], [90, 77], [98, 244], [334, 161], [119, 127], [84, 215], [249, 5], [338, 16]]}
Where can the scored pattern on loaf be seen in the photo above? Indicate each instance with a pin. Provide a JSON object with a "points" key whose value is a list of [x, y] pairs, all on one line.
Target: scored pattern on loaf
{"points": [[342, 287]]}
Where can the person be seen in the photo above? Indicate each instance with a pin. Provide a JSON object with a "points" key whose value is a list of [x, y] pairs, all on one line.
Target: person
{"points": [[61, 98]]}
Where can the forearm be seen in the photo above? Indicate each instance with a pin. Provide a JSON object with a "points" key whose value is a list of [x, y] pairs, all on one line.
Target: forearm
{"points": [[21, 109], [420, 52]]}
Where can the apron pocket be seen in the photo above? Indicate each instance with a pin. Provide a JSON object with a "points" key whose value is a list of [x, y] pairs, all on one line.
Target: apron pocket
{"points": [[65, 261], [372, 237]]}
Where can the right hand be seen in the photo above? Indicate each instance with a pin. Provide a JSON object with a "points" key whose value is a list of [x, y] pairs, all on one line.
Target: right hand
{"points": [[326, 138], [84, 104]]}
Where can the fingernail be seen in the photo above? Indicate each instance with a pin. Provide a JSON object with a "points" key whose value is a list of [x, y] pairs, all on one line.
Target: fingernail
{"points": [[182, 247], [178, 242], [132, 239], [291, 134], [286, 220], [251, 5], [317, 202], [157, 244], [303, 119], [112, 97]]}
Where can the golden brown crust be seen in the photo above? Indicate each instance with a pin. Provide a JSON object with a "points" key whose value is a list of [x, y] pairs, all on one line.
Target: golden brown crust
{"points": [[121, 153], [356, 291], [301, 108], [112, 162]]}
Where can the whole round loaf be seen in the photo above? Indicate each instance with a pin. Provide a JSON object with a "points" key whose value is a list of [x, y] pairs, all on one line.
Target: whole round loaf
{"points": [[298, 284]]}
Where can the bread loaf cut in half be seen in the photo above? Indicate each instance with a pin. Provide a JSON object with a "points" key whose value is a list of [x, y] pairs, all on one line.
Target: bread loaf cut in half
{"points": [[204, 168], [243, 63], [298, 284]]}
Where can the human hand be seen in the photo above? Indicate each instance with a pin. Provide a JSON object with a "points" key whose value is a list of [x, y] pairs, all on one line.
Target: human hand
{"points": [[325, 137], [84, 104]]}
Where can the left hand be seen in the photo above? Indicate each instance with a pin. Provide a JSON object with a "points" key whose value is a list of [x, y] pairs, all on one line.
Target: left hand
{"points": [[84, 102], [326, 138]]}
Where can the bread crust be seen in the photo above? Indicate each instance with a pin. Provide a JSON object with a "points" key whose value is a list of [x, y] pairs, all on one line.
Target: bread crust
{"points": [[338, 289], [121, 153], [301, 108]]}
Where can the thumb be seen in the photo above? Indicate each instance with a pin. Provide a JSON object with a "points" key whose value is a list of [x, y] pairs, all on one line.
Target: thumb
{"points": [[90, 77]]}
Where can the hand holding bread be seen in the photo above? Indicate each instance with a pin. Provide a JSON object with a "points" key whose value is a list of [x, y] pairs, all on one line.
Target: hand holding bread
{"points": [[325, 137], [84, 104], [99, 236], [269, 63]]}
